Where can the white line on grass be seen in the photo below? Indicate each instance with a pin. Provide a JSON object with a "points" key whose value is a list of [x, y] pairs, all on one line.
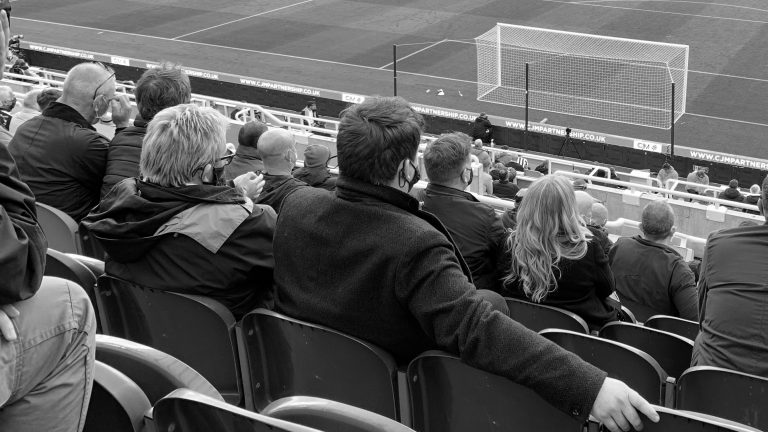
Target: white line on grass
{"points": [[672, 1], [727, 119], [414, 53], [240, 19]]}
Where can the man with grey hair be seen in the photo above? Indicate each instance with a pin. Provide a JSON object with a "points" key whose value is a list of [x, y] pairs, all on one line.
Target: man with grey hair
{"points": [[29, 109], [180, 227], [59, 153], [474, 226], [277, 148], [7, 103], [733, 298], [158, 88], [651, 277]]}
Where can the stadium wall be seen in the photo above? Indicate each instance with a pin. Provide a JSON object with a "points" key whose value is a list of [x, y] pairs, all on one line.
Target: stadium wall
{"points": [[596, 147]]}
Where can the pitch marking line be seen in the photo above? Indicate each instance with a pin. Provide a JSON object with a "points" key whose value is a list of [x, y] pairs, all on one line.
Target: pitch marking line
{"points": [[672, 1], [414, 53], [241, 19]]}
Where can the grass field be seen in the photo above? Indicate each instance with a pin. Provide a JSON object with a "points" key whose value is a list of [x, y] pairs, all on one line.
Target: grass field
{"points": [[347, 46]]}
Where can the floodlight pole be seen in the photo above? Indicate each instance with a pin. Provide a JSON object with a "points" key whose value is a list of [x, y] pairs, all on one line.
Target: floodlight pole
{"points": [[525, 134], [672, 125], [394, 69]]}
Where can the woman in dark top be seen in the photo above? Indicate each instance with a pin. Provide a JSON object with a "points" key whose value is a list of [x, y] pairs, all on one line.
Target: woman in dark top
{"points": [[552, 258]]}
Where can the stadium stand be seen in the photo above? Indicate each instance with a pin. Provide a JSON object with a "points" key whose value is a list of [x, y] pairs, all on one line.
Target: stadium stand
{"points": [[682, 421], [117, 403], [538, 317], [60, 229]]}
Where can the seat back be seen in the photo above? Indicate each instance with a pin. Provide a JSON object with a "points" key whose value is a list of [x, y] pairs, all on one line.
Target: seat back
{"points": [[724, 393], [330, 415], [672, 352], [187, 411], [155, 372], [682, 327], [636, 368], [59, 228], [289, 357], [671, 420], [197, 330], [90, 246], [538, 317], [450, 396], [117, 404], [63, 266]]}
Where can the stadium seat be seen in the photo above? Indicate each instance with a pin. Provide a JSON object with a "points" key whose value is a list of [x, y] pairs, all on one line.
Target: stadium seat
{"points": [[627, 314], [60, 229], [197, 330], [671, 420], [96, 266], [330, 415], [538, 317], [724, 393], [672, 352], [187, 411], [117, 404], [288, 357], [155, 372], [682, 327], [450, 396], [636, 368], [64, 266]]}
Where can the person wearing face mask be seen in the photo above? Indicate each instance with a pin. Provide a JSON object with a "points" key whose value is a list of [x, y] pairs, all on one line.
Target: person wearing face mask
{"points": [[181, 227], [474, 226], [277, 148], [59, 153]]}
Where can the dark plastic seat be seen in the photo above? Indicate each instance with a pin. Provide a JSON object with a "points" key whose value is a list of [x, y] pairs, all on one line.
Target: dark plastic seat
{"points": [[187, 411], [59, 228], [197, 330], [682, 327], [538, 317], [62, 265], [117, 404], [96, 266], [671, 420], [636, 368], [288, 357], [672, 352], [155, 372], [330, 415], [724, 393], [450, 396], [628, 316]]}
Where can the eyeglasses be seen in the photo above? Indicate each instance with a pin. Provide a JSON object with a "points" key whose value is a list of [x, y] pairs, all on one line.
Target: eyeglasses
{"points": [[227, 158], [111, 75]]}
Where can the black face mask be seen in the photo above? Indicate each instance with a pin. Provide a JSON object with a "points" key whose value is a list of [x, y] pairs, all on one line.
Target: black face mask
{"points": [[415, 179], [217, 178], [471, 175]]}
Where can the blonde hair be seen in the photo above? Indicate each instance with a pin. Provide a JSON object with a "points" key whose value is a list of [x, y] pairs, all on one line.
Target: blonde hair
{"points": [[548, 230], [180, 141]]}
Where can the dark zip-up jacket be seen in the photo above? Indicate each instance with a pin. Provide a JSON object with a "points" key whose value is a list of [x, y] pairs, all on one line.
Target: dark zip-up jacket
{"points": [[124, 155]]}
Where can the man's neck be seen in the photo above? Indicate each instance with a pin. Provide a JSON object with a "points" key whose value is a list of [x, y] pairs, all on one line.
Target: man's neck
{"points": [[277, 171], [663, 241], [82, 110], [458, 185]]}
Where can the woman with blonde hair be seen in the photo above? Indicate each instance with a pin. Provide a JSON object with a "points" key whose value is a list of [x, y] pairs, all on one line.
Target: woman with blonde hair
{"points": [[553, 259]]}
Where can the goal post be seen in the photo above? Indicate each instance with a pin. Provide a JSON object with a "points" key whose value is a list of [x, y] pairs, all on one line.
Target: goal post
{"points": [[607, 78]]}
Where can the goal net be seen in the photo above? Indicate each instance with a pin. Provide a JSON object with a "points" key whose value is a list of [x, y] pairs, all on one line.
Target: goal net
{"points": [[623, 80]]}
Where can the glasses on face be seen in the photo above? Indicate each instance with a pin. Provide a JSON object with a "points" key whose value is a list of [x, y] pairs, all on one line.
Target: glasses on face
{"points": [[227, 158], [111, 75]]}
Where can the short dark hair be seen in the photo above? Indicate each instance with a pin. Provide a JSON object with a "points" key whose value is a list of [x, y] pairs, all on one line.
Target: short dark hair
{"points": [[47, 96], [250, 133], [375, 136], [162, 87], [445, 158], [657, 220], [764, 198]]}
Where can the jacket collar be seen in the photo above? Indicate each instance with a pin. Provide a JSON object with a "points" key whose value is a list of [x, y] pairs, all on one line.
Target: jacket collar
{"points": [[67, 113], [436, 189], [651, 243], [247, 152]]}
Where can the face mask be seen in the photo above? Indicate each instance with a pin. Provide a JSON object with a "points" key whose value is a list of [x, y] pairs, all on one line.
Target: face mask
{"points": [[471, 176], [414, 179], [217, 177]]}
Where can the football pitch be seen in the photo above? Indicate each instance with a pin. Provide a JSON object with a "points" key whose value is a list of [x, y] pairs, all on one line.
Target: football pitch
{"points": [[346, 45]]}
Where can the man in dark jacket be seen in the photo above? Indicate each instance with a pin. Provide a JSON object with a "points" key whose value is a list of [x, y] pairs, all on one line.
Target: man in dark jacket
{"points": [[474, 226], [651, 277], [178, 229], [366, 261], [315, 170], [482, 129], [59, 154], [277, 148], [732, 193], [733, 299], [247, 158], [504, 188], [158, 88]]}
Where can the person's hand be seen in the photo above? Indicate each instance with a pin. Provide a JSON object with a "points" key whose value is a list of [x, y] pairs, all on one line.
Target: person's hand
{"points": [[617, 405], [121, 110], [6, 325], [5, 37], [250, 183]]}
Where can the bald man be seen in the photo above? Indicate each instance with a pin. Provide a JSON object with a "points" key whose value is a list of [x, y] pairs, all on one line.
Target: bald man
{"points": [[584, 203], [29, 109], [59, 154], [651, 277], [7, 103], [277, 148]]}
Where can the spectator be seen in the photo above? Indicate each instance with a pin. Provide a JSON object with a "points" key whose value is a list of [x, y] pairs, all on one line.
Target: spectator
{"points": [[509, 218], [553, 259], [666, 173], [504, 188], [47, 97], [396, 278], [177, 229], [477, 147], [543, 167], [651, 277], [486, 181], [733, 299], [47, 331], [505, 158], [579, 185], [70, 177], [599, 216], [732, 193], [315, 171], [247, 158], [752, 198], [158, 88], [29, 109], [7, 103], [584, 204], [474, 226], [700, 177], [277, 148], [482, 129], [310, 110]]}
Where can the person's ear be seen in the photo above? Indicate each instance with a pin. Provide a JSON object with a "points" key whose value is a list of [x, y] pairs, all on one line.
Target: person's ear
{"points": [[672, 231]]}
